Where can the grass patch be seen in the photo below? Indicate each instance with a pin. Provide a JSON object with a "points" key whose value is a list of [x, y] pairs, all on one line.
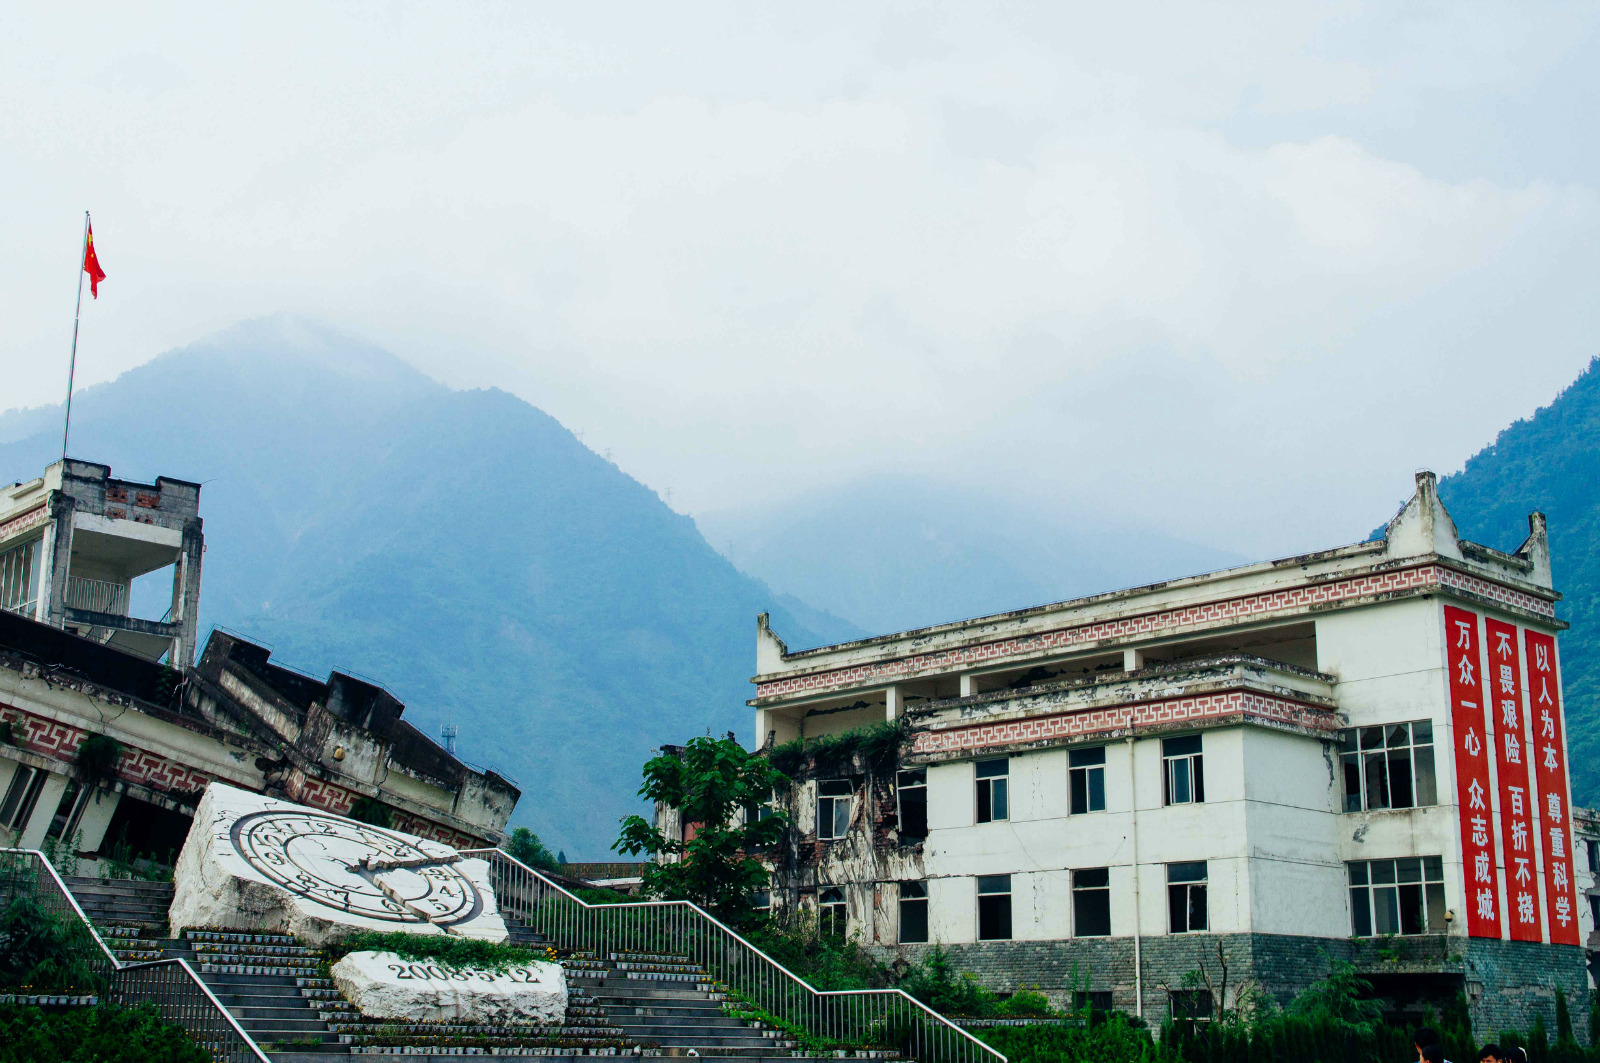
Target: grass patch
{"points": [[452, 952]]}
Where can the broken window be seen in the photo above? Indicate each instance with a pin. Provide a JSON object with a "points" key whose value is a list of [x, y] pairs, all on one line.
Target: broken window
{"points": [[832, 916], [1404, 896], [19, 578], [1184, 782], [994, 907], [761, 900], [21, 796], [69, 810], [1091, 902], [992, 779], [1389, 766], [1086, 772], [1186, 897], [1092, 1000], [833, 808], [912, 790], [913, 913], [1192, 1004]]}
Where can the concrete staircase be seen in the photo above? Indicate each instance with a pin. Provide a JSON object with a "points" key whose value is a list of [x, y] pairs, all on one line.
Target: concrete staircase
{"points": [[621, 1004]]}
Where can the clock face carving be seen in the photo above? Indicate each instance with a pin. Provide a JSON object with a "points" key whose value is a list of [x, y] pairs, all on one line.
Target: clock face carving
{"points": [[356, 868]]}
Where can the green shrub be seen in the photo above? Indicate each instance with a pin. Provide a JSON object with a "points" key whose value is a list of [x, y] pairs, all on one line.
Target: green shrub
{"points": [[824, 961], [101, 1034], [371, 810], [44, 953], [442, 949]]}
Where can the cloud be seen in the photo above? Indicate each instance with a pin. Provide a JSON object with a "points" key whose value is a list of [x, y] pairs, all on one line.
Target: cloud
{"points": [[751, 251]]}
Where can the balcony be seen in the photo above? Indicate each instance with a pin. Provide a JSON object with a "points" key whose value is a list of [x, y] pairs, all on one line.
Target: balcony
{"points": [[97, 596]]}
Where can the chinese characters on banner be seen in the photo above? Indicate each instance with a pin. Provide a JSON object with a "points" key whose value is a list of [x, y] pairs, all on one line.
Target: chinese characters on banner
{"points": [[1472, 771], [1550, 771], [1518, 832]]}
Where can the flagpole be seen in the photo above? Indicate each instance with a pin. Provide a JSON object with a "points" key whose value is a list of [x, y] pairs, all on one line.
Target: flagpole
{"points": [[72, 366]]}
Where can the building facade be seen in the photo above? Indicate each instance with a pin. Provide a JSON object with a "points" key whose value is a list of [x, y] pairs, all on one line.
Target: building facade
{"points": [[109, 733], [1132, 798]]}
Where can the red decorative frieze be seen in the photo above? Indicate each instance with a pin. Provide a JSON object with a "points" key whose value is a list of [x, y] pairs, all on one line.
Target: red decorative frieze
{"points": [[1247, 607], [1120, 717], [19, 524], [60, 741], [326, 796]]}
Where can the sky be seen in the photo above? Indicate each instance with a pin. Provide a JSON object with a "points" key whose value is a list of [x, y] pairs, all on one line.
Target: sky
{"points": [[1231, 271]]}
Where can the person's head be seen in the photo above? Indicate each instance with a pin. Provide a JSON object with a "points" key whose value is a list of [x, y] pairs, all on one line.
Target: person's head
{"points": [[1432, 1054], [1424, 1037], [1491, 1054], [1517, 1054]]}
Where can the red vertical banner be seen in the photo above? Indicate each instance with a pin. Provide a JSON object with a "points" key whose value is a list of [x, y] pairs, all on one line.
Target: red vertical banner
{"points": [[1463, 661], [1518, 831], [1550, 772]]}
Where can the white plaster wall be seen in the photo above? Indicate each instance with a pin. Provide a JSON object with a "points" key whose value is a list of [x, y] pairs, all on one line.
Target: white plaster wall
{"points": [[952, 910], [1297, 881]]}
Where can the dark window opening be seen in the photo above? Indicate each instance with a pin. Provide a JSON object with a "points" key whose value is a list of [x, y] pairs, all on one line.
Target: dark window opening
{"points": [[994, 907], [1091, 902], [21, 796], [1092, 1000], [1388, 767], [833, 808], [1184, 781], [1087, 777], [913, 913], [1186, 897], [1192, 1004], [141, 831], [992, 787], [912, 788], [832, 915]]}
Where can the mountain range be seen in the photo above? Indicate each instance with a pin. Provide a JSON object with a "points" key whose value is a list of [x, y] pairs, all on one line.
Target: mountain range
{"points": [[470, 553]]}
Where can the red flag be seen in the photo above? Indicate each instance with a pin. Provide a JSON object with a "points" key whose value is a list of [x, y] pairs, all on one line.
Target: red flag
{"points": [[91, 265]]}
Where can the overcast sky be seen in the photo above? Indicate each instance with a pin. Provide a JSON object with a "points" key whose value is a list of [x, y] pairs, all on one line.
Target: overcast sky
{"points": [[1234, 271]]}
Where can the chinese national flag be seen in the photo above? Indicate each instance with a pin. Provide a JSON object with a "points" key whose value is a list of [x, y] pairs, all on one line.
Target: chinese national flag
{"points": [[91, 265]]}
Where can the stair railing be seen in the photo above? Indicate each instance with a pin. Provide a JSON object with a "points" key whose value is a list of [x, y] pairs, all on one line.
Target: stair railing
{"points": [[884, 1018], [171, 985]]}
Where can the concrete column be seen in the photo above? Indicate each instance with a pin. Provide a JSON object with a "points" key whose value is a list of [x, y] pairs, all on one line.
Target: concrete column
{"points": [[892, 706], [55, 556], [186, 594], [969, 684], [1132, 660]]}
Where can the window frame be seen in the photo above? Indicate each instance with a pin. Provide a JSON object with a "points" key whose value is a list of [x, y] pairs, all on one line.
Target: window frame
{"points": [[21, 795], [1083, 892], [900, 788], [1092, 774], [1191, 1013], [832, 803], [1190, 765], [833, 912], [73, 798], [1370, 756], [1371, 895], [993, 894], [918, 898], [1187, 888], [992, 791], [20, 577]]}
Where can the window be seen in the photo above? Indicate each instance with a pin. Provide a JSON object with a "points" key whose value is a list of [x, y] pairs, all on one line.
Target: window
{"points": [[761, 900], [1185, 782], [1388, 767], [994, 907], [1594, 909], [992, 790], [912, 788], [913, 913], [832, 915], [1193, 1004], [1091, 902], [1404, 896], [833, 808], [69, 810], [1186, 897], [1086, 775], [19, 577], [755, 814], [21, 797], [1092, 1000], [1594, 856]]}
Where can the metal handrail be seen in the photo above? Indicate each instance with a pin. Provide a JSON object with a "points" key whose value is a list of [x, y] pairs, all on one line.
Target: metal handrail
{"points": [[889, 1017], [181, 998]]}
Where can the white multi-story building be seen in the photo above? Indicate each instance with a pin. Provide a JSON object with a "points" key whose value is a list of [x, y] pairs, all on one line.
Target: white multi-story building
{"points": [[1353, 754]]}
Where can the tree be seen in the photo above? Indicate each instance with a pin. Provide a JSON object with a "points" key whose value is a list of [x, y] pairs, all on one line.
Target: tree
{"points": [[713, 783], [524, 845]]}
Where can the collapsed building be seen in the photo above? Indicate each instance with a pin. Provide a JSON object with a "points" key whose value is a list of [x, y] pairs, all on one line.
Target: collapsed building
{"points": [[1154, 798], [110, 732]]}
